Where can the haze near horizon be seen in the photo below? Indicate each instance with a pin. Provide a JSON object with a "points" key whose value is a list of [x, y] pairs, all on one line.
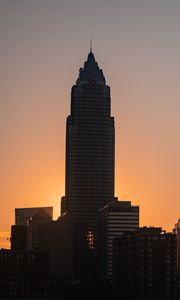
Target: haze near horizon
{"points": [[43, 45]]}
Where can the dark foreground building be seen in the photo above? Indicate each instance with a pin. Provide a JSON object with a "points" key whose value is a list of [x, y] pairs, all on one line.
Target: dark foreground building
{"points": [[19, 237], [89, 149], [177, 232], [115, 219], [24, 234], [144, 265], [70, 255], [24, 215], [24, 274]]}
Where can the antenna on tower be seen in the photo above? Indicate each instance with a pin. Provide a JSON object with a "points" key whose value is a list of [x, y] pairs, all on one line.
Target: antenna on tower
{"points": [[90, 44]]}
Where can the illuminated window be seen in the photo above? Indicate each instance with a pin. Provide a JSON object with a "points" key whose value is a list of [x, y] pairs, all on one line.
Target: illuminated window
{"points": [[90, 239]]}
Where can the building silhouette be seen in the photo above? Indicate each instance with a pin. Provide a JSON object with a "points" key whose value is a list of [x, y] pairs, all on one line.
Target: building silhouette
{"points": [[177, 232], [90, 147], [144, 265], [115, 219], [41, 217], [70, 255], [24, 234], [24, 274], [19, 235], [24, 215]]}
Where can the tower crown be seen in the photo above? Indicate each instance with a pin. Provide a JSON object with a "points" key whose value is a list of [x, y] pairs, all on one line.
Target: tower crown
{"points": [[91, 73]]}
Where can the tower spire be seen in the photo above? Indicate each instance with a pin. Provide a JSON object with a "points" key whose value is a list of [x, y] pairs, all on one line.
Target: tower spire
{"points": [[90, 44]]}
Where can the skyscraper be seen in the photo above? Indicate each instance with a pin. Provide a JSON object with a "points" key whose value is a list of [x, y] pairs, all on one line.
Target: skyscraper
{"points": [[90, 142]]}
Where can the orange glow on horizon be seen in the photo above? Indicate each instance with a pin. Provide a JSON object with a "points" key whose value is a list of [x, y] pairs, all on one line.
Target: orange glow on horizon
{"points": [[42, 49]]}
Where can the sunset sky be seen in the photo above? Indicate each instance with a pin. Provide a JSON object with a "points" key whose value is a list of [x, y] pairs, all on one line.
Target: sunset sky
{"points": [[43, 45]]}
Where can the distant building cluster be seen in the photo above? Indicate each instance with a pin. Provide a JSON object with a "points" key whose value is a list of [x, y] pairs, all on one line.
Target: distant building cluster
{"points": [[96, 248]]}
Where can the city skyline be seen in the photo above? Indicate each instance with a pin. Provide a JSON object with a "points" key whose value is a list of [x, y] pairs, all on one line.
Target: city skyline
{"points": [[39, 68]]}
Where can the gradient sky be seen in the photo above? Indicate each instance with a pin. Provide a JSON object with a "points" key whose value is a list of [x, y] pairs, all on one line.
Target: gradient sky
{"points": [[43, 45]]}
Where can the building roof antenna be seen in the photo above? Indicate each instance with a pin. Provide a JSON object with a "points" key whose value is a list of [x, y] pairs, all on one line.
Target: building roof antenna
{"points": [[90, 44]]}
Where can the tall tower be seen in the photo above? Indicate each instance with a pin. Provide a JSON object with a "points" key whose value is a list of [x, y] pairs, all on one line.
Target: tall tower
{"points": [[90, 148]]}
